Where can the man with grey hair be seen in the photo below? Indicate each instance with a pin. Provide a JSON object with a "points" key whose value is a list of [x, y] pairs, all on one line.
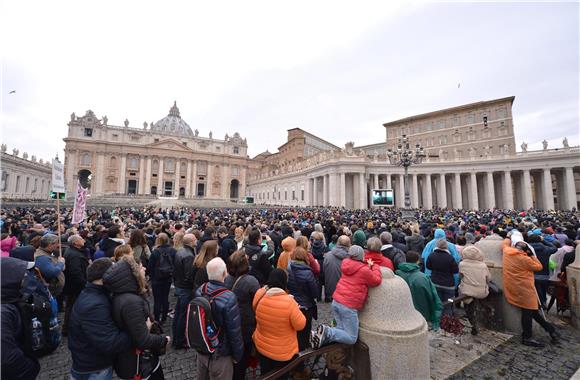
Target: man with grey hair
{"points": [[226, 314], [75, 275], [373, 252], [332, 263], [183, 281], [391, 252], [50, 266]]}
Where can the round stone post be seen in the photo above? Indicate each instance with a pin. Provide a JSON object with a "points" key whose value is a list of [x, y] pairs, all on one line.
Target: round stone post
{"points": [[394, 331]]}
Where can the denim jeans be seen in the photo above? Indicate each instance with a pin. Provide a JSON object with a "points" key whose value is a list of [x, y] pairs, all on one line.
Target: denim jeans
{"points": [[541, 283], [161, 299], [183, 296], [444, 294], [105, 374], [346, 330]]}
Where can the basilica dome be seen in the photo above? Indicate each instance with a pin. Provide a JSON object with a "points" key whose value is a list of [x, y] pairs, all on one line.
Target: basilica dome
{"points": [[173, 124]]}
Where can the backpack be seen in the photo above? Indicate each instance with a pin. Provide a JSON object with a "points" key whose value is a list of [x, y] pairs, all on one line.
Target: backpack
{"points": [[165, 269], [201, 331], [38, 312]]}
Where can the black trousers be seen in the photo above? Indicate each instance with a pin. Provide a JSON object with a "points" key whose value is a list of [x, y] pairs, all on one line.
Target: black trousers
{"points": [[268, 365], [68, 306], [471, 311], [527, 316]]}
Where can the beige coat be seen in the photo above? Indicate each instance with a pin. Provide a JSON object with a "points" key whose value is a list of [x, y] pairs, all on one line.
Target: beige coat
{"points": [[473, 273]]}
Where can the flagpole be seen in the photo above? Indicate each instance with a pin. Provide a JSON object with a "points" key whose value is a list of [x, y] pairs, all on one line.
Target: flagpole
{"points": [[58, 224]]}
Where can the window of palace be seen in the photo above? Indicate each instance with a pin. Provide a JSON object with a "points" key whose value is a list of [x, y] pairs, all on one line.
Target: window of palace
{"points": [[88, 132], [217, 148], [502, 129], [236, 150], [302, 194], [4, 181], [184, 143], [85, 159], [155, 167], [155, 140], [470, 119], [235, 170], [133, 163], [169, 165], [115, 136]]}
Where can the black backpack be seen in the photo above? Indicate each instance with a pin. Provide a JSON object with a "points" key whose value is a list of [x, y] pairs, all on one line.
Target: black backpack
{"points": [[201, 331], [38, 312], [165, 269]]}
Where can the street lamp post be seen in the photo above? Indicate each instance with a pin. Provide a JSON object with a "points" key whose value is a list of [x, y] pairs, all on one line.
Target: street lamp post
{"points": [[405, 156]]}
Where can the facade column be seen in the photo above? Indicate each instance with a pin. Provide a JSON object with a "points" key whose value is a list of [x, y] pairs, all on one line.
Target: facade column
{"points": [[194, 180], [177, 177], [570, 189], [473, 202], [414, 191], [122, 173], [457, 202], [442, 192], [325, 190], [141, 187], [376, 181], [489, 190], [209, 181], [148, 176], [226, 181], [188, 180], [315, 191], [526, 182], [100, 173], [307, 190], [547, 189], [160, 177], [342, 189], [508, 190], [362, 191], [388, 184], [401, 197], [428, 193]]}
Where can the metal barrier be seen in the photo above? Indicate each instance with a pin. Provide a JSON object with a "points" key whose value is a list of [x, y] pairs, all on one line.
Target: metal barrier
{"points": [[351, 362]]}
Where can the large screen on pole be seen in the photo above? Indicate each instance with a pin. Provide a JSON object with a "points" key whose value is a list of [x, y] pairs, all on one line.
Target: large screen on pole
{"points": [[383, 197]]}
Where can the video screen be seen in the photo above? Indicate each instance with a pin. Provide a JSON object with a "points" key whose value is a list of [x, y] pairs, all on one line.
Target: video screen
{"points": [[383, 197]]}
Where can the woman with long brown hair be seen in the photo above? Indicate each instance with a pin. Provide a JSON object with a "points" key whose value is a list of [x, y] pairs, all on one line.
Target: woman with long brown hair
{"points": [[141, 251], [209, 250]]}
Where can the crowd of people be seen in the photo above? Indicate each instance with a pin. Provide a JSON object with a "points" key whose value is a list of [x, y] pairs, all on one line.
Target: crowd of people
{"points": [[263, 272]]}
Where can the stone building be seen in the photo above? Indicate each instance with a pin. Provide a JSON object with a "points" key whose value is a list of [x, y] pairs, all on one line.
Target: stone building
{"points": [[23, 177], [162, 159], [471, 164]]}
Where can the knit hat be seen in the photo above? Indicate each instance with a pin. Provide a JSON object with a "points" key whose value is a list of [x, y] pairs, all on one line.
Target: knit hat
{"points": [[97, 269], [278, 278], [356, 253], [359, 238]]}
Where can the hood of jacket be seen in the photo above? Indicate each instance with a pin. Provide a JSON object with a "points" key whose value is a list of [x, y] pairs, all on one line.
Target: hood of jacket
{"points": [[439, 234], [409, 267], [289, 244], [121, 279], [340, 252], [317, 246], [12, 275], [252, 249], [471, 252], [350, 266]]}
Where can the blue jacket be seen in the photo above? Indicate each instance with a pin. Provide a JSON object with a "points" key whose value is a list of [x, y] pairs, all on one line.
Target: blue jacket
{"points": [[93, 337], [302, 284], [227, 318], [430, 247], [543, 251]]}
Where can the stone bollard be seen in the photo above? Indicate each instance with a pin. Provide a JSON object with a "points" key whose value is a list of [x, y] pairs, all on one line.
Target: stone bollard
{"points": [[394, 331], [573, 278]]}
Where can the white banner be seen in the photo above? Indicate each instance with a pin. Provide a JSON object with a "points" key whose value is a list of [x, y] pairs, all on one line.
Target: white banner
{"points": [[57, 177], [80, 204]]}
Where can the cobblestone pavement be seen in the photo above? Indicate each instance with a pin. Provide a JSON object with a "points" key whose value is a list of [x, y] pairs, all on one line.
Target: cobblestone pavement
{"points": [[509, 360]]}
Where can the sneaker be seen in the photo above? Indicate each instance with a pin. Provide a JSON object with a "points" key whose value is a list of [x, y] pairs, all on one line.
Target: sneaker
{"points": [[532, 343], [555, 337], [474, 331], [318, 336]]}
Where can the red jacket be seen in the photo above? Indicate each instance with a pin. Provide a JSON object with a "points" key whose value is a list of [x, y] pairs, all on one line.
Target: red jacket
{"points": [[379, 259], [353, 287]]}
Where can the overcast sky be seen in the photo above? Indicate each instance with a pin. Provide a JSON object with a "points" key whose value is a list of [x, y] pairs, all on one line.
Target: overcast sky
{"points": [[336, 69]]}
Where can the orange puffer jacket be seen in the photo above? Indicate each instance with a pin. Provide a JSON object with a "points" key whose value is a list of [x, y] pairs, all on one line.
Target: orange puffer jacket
{"points": [[278, 318], [518, 277]]}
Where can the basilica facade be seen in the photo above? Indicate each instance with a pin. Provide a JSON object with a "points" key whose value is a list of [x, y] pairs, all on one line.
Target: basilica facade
{"points": [[161, 159]]}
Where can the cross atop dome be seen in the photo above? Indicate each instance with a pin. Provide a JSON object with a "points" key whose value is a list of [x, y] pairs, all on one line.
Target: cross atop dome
{"points": [[174, 111]]}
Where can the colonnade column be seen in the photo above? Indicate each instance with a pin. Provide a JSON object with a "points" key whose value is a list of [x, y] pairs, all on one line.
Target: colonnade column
{"points": [[457, 202], [141, 189], [188, 180], [473, 202], [489, 190], [194, 179], [375, 181], [362, 191], [177, 177], [122, 173], [401, 197], [547, 190], [325, 190], [508, 190], [442, 192], [147, 184], [388, 184], [428, 193], [342, 189], [570, 189], [160, 177], [527, 202], [307, 191], [332, 189], [414, 191]]}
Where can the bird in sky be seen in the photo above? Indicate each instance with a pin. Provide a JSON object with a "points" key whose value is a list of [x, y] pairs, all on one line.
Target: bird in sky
{"points": [[12, 92]]}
